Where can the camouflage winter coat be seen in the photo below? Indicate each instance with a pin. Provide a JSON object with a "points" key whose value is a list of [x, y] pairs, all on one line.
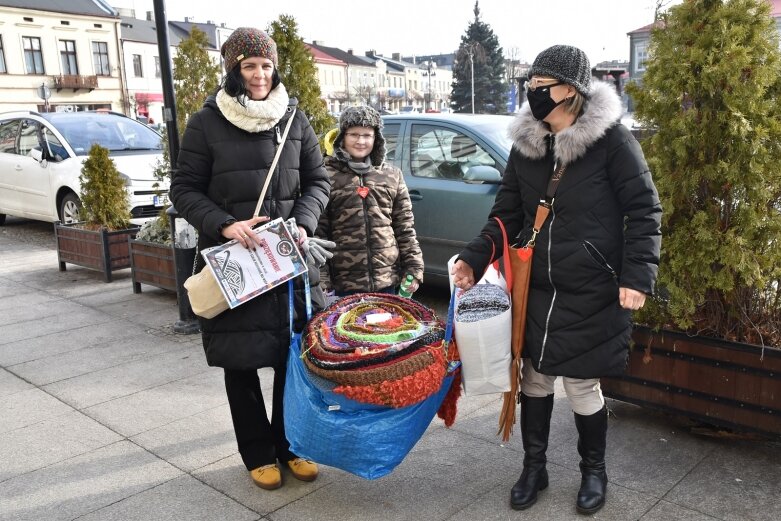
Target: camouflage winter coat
{"points": [[374, 235]]}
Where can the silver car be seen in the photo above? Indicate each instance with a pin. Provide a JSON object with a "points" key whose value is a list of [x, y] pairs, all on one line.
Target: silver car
{"points": [[452, 164]]}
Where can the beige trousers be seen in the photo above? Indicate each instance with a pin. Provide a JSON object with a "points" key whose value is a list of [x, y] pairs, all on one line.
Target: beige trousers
{"points": [[585, 396]]}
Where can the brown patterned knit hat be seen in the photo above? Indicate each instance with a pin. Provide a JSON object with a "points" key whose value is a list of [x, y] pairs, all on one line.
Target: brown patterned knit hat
{"points": [[246, 42]]}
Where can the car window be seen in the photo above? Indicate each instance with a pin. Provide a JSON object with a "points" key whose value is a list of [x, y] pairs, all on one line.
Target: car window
{"points": [[56, 152], [116, 133], [28, 137], [391, 135], [8, 132], [444, 153]]}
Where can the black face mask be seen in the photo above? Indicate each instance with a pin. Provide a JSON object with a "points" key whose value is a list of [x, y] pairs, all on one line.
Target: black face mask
{"points": [[540, 102]]}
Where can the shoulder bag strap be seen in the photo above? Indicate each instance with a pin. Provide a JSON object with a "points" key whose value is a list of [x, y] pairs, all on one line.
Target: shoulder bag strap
{"points": [[543, 209], [274, 164]]}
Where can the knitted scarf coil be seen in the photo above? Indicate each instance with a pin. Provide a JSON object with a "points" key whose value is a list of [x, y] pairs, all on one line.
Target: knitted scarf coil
{"points": [[255, 115], [480, 302], [380, 349]]}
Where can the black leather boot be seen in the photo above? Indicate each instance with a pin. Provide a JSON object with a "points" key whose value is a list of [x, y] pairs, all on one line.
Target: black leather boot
{"points": [[535, 426], [592, 432]]}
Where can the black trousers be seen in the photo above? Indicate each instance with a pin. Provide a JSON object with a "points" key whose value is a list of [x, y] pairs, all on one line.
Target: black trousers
{"points": [[260, 442]]}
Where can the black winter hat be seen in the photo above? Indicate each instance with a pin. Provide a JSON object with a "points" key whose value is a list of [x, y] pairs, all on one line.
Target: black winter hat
{"points": [[565, 63], [362, 116]]}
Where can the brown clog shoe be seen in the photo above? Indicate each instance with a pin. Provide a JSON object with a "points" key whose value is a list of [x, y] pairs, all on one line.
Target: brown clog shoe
{"points": [[303, 469], [267, 477]]}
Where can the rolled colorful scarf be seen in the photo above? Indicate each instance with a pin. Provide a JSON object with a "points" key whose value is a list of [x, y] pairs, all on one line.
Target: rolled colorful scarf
{"points": [[379, 349]]}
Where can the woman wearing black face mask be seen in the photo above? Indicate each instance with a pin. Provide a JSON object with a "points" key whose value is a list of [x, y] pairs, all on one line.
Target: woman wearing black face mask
{"points": [[595, 258]]}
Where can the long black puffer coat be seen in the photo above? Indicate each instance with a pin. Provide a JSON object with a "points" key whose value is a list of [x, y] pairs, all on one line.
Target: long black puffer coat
{"points": [[603, 233], [220, 173]]}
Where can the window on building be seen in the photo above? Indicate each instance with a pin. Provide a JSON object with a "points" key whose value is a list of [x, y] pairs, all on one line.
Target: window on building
{"points": [[100, 58], [138, 71], [3, 70], [33, 57], [641, 55], [68, 57], [157, 67]]}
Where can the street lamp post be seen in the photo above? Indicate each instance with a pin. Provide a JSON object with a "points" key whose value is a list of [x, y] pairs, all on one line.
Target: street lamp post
{"points": [[430, 71], [471, 52]]}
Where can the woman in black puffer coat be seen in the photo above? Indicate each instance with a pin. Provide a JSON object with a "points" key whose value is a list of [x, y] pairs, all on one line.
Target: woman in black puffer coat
{"points": [[225, 155], [595, 258]]}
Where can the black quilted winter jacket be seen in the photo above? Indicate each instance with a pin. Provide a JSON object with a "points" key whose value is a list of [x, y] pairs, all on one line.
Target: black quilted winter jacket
{"points": [[220, 173], [603, 233]]}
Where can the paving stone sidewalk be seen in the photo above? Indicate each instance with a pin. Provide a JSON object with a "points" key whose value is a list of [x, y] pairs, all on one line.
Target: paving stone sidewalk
{"points": [[106, 414]]}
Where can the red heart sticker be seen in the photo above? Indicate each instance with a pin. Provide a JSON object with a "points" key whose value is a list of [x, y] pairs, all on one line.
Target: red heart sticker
{"points": [[363, 191], [525, 254]]}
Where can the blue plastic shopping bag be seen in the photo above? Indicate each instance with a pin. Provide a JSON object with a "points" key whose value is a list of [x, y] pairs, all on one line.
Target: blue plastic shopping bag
{"points": [[364, 439]]}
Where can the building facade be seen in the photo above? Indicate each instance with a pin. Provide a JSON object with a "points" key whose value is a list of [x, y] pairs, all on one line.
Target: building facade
{"points": [[141, 55], [640, 40], [60, 56]]}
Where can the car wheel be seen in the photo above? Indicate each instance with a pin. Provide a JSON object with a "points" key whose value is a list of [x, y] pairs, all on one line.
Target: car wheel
{"points": [[2, 219], [69, 209]]}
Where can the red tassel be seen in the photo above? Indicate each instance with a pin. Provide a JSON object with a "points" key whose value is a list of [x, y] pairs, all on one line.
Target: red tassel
{"points": [[447, 411]]}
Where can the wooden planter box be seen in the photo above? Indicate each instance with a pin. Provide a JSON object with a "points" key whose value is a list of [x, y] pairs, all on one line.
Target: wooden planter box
{"points": [[152, 263], [722, 383], [101, 250]]}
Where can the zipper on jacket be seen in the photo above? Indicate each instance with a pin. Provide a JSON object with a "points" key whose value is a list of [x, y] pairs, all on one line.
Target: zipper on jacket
{"points": [[550, 280], [600, 259], [551, 144], [368, 238]]}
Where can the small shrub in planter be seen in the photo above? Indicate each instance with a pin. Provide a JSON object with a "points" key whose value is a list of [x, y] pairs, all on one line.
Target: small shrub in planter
{"points": [[152, 255], [100, 240], [104, 201], [151, 251]]}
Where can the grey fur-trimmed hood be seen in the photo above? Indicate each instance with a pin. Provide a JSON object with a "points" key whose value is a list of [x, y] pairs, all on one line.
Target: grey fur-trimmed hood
{"points": [[603, 109]]}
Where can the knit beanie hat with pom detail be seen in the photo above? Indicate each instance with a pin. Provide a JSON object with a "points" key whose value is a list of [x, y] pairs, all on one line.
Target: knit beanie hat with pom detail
{"points": [[246, 42], [362, 116], [565, 63]]}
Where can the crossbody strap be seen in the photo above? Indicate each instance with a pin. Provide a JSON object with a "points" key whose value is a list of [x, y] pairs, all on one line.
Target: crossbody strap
{"points": [[274, 164], [543, 208]]}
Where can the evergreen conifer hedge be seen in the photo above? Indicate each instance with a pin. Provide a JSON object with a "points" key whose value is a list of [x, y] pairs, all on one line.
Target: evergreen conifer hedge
{"points": [[712, 92]]}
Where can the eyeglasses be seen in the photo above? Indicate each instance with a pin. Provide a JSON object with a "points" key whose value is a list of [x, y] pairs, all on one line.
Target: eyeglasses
{"points": [[357, 137], [540, 83]]}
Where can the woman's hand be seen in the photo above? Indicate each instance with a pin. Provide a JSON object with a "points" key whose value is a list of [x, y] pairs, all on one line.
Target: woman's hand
{"points": [[463, 275], [242, 232], [631, 298]]}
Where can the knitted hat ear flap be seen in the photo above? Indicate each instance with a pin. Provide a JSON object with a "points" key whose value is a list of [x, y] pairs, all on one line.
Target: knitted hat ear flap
{"points": [[338, 142], [378, 152]]}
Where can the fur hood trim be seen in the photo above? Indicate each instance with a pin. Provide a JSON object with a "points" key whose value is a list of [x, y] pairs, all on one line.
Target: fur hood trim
{"points": [[602, 110]]}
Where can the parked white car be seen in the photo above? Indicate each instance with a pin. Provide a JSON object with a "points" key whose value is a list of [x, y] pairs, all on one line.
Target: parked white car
{"points": [[41, 156]]}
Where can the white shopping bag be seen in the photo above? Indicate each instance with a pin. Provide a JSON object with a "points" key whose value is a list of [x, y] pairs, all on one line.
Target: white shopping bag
{"points": [[484, 346]]}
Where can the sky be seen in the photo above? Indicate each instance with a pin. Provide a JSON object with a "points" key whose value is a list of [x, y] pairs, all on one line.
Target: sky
{"points": [[424, 27]]}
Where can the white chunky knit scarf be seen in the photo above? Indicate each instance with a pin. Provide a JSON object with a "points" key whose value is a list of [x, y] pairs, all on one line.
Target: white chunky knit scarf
{"points": [[256, 116]]}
